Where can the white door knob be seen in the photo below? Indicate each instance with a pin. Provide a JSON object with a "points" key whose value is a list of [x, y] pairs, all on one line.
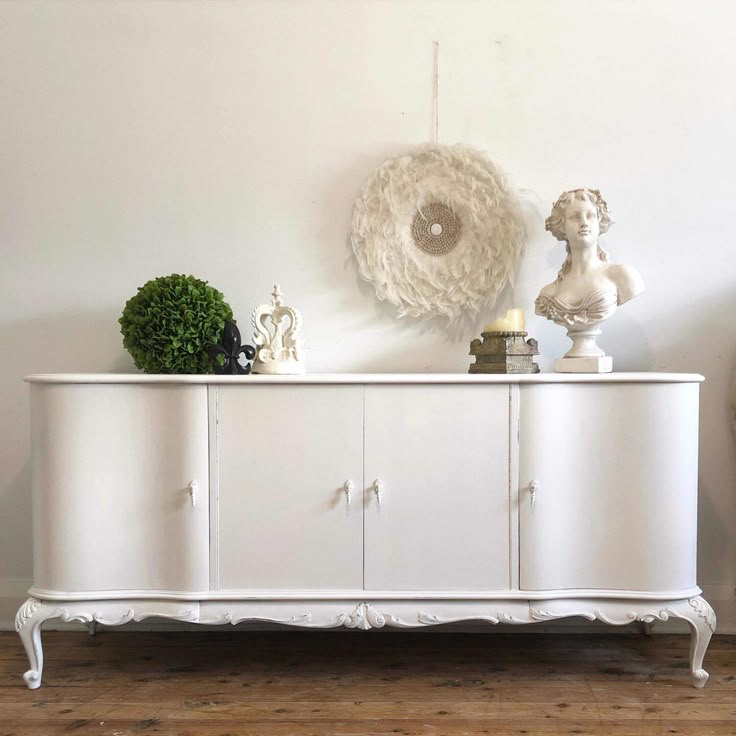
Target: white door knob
{"points": [[193, 488], [348, 489], [378, 489], [533, 488]]}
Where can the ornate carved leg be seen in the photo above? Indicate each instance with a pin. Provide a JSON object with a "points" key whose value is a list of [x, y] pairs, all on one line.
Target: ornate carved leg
{"points": [[28, 621], [647, 627], [702, 619], [92, 628]]}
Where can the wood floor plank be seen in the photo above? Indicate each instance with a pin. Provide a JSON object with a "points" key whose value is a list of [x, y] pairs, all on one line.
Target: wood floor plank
{"points": [[414, 689], [277, 683], [372, 727], [222, 709]]}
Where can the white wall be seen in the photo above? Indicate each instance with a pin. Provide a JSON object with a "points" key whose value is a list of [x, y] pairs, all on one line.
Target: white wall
{"points": [[228, 139]]}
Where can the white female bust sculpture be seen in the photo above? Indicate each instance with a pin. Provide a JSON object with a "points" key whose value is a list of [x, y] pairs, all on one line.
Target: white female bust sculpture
{"points": [[587, 289]]}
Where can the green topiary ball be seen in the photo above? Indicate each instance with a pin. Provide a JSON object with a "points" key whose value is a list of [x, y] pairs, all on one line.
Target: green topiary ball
{"points": [[169, 323]]}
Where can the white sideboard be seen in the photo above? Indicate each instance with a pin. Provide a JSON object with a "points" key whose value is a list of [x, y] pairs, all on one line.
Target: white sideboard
{"points": [[365, 501]]}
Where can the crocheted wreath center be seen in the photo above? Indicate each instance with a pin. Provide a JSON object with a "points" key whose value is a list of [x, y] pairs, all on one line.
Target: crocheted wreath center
{"points": [[436, 229]]}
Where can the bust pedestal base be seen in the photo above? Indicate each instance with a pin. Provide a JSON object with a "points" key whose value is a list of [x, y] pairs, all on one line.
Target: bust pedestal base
{"points": [[603, 364]]}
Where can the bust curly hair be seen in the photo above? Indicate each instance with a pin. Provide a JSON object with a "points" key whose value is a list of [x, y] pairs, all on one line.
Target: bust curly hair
{"points": [[555, 223]]}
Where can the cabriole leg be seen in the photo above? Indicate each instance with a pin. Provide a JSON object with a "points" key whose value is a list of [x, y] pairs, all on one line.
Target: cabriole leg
{"points": [[28, 621], [702, 620]]}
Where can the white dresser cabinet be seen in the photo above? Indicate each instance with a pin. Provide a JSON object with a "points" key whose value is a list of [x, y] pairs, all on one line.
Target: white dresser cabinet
{"points": [[365, 501]]}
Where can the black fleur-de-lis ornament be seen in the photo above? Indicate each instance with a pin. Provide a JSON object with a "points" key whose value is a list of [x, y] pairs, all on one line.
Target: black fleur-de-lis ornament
{"points": [[230, 350]]}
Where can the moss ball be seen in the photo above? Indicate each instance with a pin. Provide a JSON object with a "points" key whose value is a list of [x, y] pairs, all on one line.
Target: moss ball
{"points": [[169, 323]]}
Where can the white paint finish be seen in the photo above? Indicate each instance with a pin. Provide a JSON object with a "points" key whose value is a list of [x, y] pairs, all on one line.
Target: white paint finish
{"points": [[431, 539], [14, 592], [375, 595], [214, 495], [366, 378], [514, 418], [365, 615], [285, 453], [442, 455], [617, 474], [345, 611], [111, 472]]}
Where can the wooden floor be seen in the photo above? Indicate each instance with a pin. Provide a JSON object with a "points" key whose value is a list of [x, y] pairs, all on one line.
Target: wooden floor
{"points": [[122, 683]]}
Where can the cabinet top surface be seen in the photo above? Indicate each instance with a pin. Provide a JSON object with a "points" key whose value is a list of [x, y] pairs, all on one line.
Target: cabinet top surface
{"points": [[368, 378]]}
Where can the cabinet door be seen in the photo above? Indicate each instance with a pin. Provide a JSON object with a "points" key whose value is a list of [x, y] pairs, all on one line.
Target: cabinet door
{"points": [[112, 467], [441, 454], [285, 453], [616, 505]]}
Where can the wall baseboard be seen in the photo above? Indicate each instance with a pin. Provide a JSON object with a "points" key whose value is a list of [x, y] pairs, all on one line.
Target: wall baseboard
{"points": [[13, 591]]}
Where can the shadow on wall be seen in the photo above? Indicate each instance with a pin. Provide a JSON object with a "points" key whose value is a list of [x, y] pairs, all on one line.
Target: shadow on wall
{"points": [[701, 340], [76, 343], [625, 339], [15, 522]]}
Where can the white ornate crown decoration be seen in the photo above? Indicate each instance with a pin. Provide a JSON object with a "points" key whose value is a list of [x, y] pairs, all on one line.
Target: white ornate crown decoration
{"points": [[278, 345]]}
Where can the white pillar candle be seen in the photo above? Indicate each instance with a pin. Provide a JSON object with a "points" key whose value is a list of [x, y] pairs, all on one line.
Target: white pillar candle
{"points": [[513, 322]]}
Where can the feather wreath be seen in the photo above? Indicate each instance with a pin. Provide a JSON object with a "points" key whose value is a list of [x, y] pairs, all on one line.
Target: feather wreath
{"points": [[438, 232]]}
